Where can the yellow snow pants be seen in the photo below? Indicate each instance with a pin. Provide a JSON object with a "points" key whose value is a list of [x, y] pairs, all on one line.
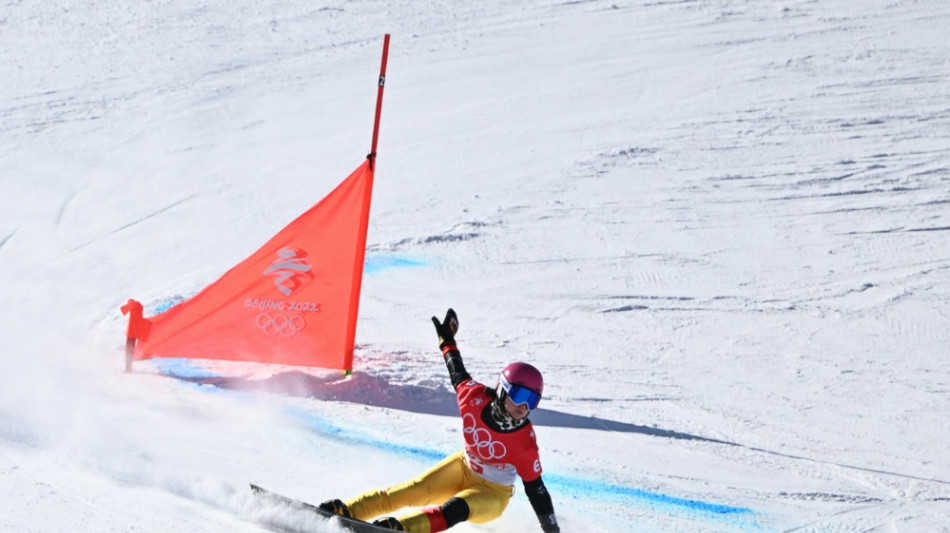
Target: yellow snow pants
{"points": [[450, 478]]}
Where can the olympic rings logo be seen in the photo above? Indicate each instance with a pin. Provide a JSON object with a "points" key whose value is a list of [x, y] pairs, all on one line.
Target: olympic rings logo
{"points": [[480, 439], [281, 325]]}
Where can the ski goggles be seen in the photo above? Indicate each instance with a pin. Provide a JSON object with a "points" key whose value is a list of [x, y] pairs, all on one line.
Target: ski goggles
{"points": [[521, 395]]}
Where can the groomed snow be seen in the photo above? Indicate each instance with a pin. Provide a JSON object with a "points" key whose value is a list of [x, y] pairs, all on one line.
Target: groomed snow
{"points": [[719, 227]]}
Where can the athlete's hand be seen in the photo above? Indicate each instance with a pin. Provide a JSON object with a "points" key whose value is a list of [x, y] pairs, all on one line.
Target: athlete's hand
{"points": [[447, 328], [549, 524]]}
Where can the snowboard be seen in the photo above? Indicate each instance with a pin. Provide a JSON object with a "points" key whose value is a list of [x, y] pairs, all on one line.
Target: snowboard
{"points": [[350, 524]]}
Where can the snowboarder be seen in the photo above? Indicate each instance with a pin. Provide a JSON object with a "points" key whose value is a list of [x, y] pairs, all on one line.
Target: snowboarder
{"points": [[474, 484]]}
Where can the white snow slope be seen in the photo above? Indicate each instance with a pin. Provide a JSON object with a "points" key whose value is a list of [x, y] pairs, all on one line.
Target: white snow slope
{"points": [[720, 227]]}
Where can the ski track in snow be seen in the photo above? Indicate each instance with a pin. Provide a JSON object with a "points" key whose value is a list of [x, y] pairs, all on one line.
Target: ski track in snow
{"points": [[721, 227]]}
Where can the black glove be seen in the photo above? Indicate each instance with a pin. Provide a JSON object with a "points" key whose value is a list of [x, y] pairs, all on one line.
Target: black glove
{"points": [[446, 329], [549, 525]]}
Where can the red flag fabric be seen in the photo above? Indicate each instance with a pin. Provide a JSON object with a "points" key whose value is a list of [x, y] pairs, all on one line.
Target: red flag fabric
{"points": [[294, 301]]}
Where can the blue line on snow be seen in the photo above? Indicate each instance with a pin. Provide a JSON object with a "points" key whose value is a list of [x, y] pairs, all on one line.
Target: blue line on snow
{"points": [[182, 368], [167, 303], [568, 485], [572, 485], [587, 487], [326, 427], [371, 264], [375, 263]]}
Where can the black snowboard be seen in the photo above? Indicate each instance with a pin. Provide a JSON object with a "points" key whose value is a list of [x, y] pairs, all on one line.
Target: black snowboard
{"points": [[350, 524]]}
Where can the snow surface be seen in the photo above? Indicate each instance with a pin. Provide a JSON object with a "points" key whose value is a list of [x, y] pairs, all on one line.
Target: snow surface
{"points": [[720, 228]]}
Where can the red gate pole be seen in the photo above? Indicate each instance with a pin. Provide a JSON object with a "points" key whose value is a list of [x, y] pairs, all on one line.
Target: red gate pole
{"points": [[379, 102], [137, 330]]}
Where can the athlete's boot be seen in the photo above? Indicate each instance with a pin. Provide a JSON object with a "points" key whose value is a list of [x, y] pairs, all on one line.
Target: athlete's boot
{"points": [[389, 523], [335, 507]]}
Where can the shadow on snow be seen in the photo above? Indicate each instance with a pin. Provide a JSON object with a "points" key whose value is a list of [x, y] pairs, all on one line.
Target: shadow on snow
{"points": [[375, 391]]}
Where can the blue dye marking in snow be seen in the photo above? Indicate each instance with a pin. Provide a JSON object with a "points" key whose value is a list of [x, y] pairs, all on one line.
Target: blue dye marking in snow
{"points": [[371, 265], [182, 368], [575, 487], [582, 487], [376, 263], [570, 485], [164, 305], [326, 427]]}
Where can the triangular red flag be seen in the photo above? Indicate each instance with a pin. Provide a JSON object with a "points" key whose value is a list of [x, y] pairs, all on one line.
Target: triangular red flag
{"points": [[294, 301]]}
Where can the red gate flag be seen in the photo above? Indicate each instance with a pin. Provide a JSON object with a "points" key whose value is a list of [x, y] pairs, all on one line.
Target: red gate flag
{"points": [[294, 301]]}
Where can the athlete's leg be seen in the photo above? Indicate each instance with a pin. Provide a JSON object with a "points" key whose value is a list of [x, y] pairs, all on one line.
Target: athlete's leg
{"points": [[435, 485], [479, 501], [434, 519], [486, 502]]}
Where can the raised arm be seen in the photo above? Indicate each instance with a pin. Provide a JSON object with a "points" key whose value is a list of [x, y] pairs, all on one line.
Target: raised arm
{"points": [[450, 352]]}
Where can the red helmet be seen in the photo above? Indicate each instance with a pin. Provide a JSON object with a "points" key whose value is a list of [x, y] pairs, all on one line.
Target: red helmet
{"points": [[523, 384]]}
